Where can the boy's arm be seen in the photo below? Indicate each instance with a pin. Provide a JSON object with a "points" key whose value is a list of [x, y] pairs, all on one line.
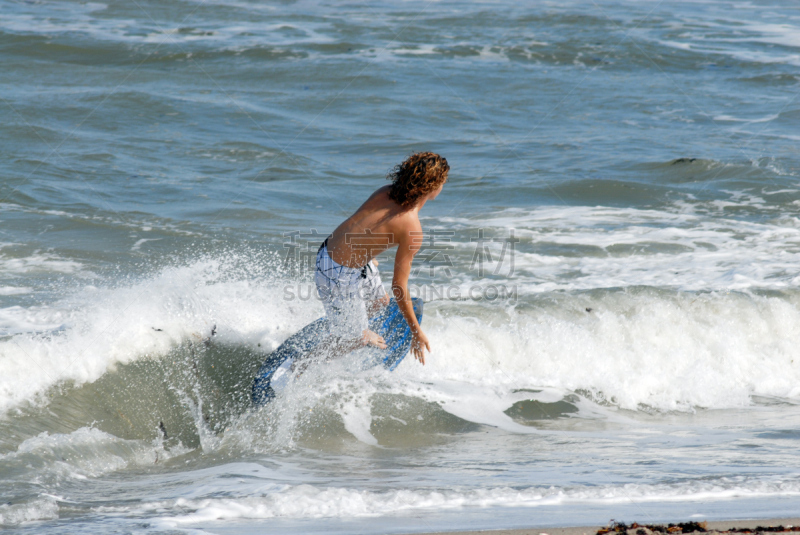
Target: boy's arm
{"points": [[408, 245]]}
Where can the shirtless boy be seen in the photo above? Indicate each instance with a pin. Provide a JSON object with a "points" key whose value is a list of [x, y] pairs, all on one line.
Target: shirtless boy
{"points": [[347, 279]]}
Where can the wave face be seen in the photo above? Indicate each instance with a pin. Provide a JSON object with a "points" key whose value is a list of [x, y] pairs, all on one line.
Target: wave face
{"points": [[635, 348], [610, 273]]}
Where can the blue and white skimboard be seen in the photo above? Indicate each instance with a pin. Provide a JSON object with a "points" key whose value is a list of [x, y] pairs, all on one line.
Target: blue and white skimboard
{"points": [[276, 372]]}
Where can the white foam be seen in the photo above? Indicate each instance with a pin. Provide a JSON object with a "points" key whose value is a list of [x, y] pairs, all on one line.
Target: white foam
{"points": [[94, 218], [17, 319], [38, 263], [137, 246], [640, 350], [420, 50], [357, 418], [15, 290], [105, 327], [669, 353], [62, 19], [307, 501], [736, 38], [730, 118], [691, 249], [664, 349], [43, 508], [780, 34], [85, 453]]}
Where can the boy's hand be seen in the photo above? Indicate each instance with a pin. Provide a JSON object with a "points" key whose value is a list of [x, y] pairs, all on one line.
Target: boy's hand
{"points": [[419, 342], [371, 338]]}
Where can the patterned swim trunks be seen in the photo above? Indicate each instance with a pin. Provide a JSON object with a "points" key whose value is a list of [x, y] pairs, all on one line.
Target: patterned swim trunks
{"points": [[345, 292]]}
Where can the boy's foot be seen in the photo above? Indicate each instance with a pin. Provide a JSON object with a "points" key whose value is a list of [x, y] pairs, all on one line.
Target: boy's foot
{"points": [[371, 338]]}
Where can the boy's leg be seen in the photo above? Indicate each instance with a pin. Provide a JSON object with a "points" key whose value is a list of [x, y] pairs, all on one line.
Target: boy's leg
{"points": [[339, 287]]}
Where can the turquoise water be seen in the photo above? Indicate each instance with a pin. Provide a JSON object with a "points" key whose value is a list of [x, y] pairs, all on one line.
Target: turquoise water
{"points": [[634, 356]]}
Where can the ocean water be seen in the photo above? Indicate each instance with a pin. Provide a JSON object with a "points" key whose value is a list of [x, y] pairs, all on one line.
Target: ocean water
{"points": [[611, 273]]}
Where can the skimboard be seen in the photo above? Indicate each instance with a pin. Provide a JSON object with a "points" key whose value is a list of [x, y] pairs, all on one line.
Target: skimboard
{"points": [[276, 371]]}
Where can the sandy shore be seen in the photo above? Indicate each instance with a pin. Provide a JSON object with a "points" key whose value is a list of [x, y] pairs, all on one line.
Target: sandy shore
{"points": [[720, 526]]}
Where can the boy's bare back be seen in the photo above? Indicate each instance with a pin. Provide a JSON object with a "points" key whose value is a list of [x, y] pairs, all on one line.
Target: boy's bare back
{"points": [[379, 224]]}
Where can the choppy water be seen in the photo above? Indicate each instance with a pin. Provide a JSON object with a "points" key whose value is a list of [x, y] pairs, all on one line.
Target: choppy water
{"points": [[638, 360]]}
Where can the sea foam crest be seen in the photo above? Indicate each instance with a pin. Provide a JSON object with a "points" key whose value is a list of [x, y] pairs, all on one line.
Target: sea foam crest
{"points": [[99, 328], [633, 349], [630, 348], [306, 501]]}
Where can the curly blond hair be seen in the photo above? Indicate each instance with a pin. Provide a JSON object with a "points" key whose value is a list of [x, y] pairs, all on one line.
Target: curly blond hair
{"points": [[420, 174]]}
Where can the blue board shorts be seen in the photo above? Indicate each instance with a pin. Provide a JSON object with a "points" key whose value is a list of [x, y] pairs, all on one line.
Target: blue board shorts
{"points": [[345, 292]]}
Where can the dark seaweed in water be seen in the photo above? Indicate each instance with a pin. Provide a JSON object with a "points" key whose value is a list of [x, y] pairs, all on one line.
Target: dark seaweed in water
{"points": [[686, 527], [641, 529], [767, 529]]}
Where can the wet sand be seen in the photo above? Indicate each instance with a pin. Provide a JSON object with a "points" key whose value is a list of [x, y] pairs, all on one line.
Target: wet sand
{"points": [[712, 526]]}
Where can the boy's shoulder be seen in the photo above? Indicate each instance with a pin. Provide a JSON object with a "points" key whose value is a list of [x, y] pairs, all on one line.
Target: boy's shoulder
{"points": [[398, 217]]}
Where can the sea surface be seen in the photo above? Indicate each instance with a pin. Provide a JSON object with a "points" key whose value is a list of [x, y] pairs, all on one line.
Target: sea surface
{"points": [[610, 274]]}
